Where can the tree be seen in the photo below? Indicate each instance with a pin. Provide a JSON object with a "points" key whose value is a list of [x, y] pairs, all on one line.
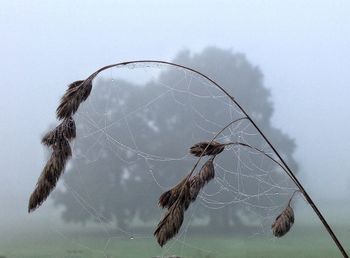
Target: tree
{"points": [[128, 151]]}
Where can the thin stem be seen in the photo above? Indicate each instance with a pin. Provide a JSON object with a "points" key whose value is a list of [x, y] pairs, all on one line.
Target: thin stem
{"points": [[291, 198], [290, 174], [185, 180], [202, 154], [260, 151], [299, 185], [93, 75], [216, 135]]}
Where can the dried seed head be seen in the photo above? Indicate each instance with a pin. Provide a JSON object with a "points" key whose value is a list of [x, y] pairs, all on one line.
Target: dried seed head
{"points": [[76, 93], [196, 186], [69, 130], [51, 173], [168, 198], [65, 129], [206, 174], [185, 195], [171, 223], [178, 199], [283, 222], [207, 171], [207, 148]]}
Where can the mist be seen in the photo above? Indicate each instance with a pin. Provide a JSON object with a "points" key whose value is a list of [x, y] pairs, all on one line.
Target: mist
{"points": [[301, 49]]}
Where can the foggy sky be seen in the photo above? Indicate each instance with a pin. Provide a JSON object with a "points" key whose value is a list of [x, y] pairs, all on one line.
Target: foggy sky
{"points": [[301, 47]]}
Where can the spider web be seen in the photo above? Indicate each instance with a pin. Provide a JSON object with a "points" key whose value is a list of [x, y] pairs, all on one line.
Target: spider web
{"points": [[133, 135]]}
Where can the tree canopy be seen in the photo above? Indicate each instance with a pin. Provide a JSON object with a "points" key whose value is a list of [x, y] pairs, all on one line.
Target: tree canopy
{"points": [[134, 141]]}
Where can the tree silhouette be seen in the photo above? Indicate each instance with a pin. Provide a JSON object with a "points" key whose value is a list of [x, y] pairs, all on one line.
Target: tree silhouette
{"points": [[110, 176]]}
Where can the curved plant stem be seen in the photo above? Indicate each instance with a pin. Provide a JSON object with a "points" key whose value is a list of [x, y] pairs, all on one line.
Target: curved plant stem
{"points": [[247, 116], [291, 198], [299, 185], [260, 151], [188, 176], [216, 135]]}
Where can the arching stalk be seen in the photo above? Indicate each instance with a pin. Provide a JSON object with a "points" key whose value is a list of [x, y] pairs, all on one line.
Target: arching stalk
{"points": [[85, 86]]}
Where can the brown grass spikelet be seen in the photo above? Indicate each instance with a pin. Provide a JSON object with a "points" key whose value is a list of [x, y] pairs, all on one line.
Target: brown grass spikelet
{"points": [[206, 174], [168, 198], [169, 226], [185, 195], [51, 173], [213, 148], [196, 186], [283, 222], [178, 199], [171, 223], [65, 129], [76, 93]]}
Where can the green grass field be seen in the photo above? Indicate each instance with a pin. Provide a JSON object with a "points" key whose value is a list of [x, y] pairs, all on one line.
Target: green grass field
{"points": [[300, 242]]}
